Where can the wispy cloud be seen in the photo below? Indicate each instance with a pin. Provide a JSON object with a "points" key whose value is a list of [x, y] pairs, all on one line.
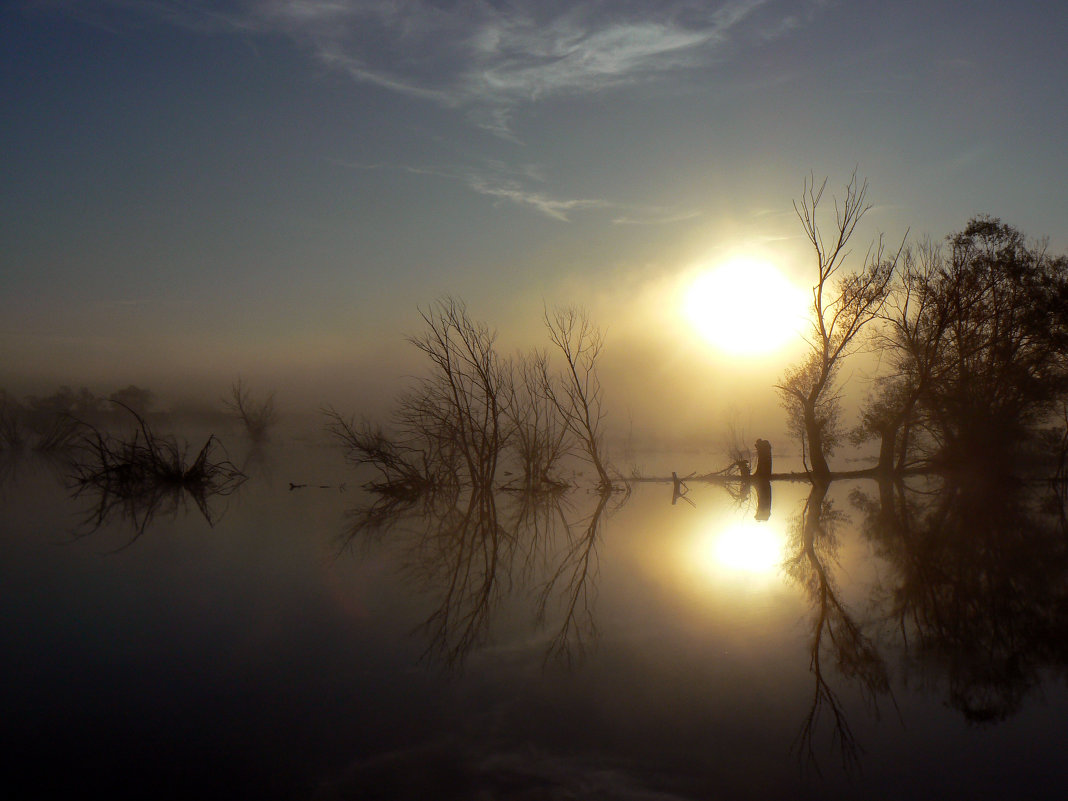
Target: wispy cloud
{"points": [[516, 185], [655, 216], [487, 57], [513, 192]]}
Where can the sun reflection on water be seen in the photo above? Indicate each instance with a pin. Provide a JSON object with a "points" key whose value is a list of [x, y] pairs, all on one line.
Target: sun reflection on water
{"points": [[741, 548], [748, 547]]}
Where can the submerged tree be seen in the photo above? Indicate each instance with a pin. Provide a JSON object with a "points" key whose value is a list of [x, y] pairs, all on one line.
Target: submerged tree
{"points": [[406, 469], [474, 410], [576, 394], [450, 428], [459, 410], [138, 476], [842, 305], [541, 438]]}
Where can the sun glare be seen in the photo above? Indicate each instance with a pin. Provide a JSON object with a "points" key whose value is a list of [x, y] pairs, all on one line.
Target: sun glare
{"points": [[745, 547], [745, 306], [749, 548]]}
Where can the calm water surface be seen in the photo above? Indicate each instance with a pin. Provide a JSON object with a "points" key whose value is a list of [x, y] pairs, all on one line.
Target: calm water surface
{"points": [[311, 645]]}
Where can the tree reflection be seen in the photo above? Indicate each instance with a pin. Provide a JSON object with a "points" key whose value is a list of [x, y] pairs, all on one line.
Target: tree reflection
{"points": [[134, 478], [469, 550], [979, 587], [977, 592], [835, 631], [572, 578]]}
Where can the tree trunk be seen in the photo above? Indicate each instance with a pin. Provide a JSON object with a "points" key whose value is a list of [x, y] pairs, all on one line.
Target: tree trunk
{"points": [[814, 434], [887, 449], [904, 449], [763, 468]]}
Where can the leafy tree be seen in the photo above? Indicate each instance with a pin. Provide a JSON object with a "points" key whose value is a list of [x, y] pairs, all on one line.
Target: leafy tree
{"points": [[977, 343], [1003, 357], [913, 324]]}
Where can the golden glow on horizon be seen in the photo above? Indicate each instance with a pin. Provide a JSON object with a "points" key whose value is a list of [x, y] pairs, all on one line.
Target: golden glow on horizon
{"points": [[745, 306]]}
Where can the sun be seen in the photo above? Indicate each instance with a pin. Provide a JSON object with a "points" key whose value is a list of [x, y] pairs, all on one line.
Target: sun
{"points": [[745, 306]]}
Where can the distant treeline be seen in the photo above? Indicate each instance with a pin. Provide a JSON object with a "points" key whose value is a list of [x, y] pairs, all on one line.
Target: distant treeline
{"points": [[53, 421], [56, 421]]}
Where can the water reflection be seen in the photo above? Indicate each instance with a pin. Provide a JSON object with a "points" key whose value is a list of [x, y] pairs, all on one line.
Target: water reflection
{"points": [[133, 479], [972, 598], [470, 549], [835, 631], [978, 587], [749, 548], [731, 546]]}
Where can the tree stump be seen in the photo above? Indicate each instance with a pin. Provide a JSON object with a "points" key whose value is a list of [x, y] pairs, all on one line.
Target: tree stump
{"points": [[763, 468]]}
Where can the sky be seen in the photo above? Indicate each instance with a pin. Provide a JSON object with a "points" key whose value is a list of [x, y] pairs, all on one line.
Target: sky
{"points": [[193, 191]]}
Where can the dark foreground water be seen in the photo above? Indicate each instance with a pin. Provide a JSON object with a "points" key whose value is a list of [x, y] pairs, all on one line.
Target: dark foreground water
{"points": [[872, 643]]}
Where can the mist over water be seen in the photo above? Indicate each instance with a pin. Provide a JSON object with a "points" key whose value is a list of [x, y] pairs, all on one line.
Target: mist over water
{"points": [[308, 639], [495, 400], [556, 573]]}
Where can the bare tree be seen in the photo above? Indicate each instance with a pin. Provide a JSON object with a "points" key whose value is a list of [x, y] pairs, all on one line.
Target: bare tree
{"points": [[540, 437], [842, 304], [473, 408], [406, 470], [258, 416], [460, 410], [576, 392]]}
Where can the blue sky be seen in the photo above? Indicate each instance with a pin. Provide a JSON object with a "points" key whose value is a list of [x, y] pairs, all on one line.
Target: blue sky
{"points": [[192, 190]]}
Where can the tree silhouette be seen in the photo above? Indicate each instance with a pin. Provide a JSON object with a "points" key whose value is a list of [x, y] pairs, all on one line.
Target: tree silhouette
{"points": [[842, 305], [977, 344], [576, 394], [473, 409]]}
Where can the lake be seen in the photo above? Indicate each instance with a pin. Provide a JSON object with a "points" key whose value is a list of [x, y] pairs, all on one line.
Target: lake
{"points": [[873, 642]]}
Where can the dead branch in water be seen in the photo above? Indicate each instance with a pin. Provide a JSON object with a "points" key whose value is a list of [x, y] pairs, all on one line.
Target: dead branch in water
{"points": [[138, 476], [405, 470]]}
